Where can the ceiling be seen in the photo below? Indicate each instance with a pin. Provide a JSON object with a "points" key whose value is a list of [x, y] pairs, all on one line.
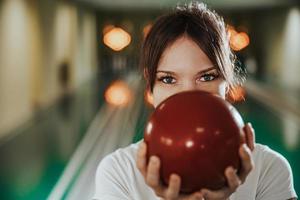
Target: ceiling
{"points": [[161, 4]]}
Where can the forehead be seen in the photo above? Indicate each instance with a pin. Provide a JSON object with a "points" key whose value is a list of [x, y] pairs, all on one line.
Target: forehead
{"points": [[184, 55]]}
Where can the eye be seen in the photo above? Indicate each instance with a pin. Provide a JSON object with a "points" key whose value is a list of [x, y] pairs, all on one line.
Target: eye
{"points": [[167, 79], [208, 77]]}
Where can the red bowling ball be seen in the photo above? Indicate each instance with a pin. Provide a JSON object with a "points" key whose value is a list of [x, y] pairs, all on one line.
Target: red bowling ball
{"points": [[196, 135]]}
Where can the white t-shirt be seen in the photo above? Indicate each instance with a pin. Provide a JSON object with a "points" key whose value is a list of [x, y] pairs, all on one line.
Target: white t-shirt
{"points": [[118, 178]]}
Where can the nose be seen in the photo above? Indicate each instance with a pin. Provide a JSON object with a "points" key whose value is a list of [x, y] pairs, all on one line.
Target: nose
{"points": [[188, 86]]}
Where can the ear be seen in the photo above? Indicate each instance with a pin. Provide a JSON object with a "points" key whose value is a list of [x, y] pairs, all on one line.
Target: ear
{"points": [[149, 96]]}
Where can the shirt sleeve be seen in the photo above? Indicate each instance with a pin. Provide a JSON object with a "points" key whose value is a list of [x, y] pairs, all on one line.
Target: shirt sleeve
{"points": [[110, 183], [276, 181]]}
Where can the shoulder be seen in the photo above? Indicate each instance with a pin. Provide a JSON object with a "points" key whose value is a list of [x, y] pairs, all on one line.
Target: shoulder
{"points": [[115, 173], [269, 160], [121, 158], [264, 152], [275, 177]]}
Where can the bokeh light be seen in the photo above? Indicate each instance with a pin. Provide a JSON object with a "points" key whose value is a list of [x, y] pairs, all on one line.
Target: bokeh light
{"points": [[107, 28], [238, 40], [146, 29], [116, 38], [231, 31], [118, 94]]}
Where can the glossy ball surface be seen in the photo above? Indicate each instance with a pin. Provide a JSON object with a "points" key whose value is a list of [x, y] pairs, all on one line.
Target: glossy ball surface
{"points": [[196, 135]]}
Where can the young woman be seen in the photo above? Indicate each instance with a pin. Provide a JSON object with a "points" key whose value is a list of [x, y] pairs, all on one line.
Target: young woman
{"points": [[188, 49]]}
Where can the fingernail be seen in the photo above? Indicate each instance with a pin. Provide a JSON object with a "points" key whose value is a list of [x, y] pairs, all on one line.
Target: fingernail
{"points": [[204, 193], [234, 170], [199, 196], [174, 177], [246, 148], [249, 124], [154, 159]]}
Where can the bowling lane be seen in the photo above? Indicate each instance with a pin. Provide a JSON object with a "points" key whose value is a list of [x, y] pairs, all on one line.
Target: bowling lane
{"points": [[34, 157], [113, 127]]}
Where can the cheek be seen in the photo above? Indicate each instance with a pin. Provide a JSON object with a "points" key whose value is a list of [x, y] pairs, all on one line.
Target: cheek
{"points": [[159, 94], [222, 89]]}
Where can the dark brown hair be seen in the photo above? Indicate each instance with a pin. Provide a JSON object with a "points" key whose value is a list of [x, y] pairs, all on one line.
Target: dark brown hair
{"points": [[205, 27]]}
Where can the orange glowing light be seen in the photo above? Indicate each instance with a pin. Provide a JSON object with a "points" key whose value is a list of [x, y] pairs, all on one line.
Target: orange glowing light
{"points": [[118, 94], [231, 31], [238, 41], [146, 29], [116, 38], [149, 97], [107, 28]]}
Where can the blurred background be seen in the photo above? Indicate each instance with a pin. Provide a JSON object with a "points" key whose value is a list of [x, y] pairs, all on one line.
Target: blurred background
{"points": [[71, 90]]}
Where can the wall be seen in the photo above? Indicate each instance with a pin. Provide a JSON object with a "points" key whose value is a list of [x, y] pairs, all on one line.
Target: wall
{"points": [[36, 37], [276, 42]]}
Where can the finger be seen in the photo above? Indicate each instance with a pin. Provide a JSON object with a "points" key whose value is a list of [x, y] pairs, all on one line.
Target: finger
{"points": [[232, 178], [174, 187], [217, 194], [152, 177], [233, 183], [195, 196], [247, 162], [250, 136], [141, 161], [253, 134]]}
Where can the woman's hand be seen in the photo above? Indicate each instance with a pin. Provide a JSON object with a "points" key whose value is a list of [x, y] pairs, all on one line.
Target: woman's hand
{"points": [[250, 136], [152, 178], [234, 180]]}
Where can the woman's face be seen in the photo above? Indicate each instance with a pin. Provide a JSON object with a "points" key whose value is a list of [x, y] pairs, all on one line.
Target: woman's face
{"points": [[183, 67]]}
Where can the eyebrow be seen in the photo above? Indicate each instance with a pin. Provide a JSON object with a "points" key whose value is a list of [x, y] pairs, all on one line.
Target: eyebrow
{"points": [[200, 72]]}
